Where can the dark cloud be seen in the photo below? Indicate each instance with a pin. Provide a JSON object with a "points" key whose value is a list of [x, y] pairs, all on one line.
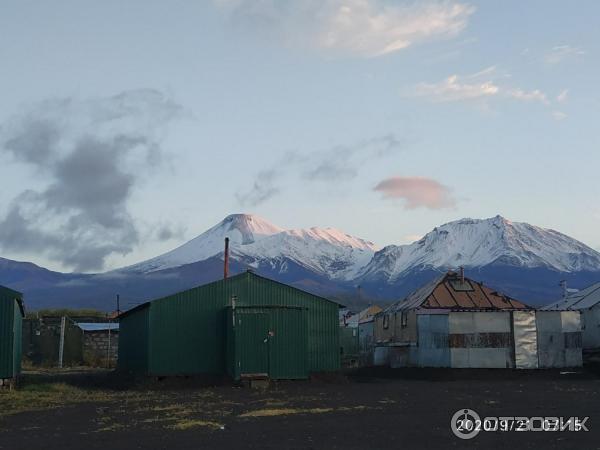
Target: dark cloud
{"points": [[166, 232], [333, 165], [92, 153], [263, 189]]}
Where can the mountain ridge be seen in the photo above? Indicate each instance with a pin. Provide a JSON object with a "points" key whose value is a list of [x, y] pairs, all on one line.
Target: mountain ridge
{"points": [[523, 260]]}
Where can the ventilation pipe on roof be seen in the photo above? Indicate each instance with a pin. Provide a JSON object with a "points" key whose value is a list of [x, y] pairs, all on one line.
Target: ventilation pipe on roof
{"points": [[226, 259], [462, 275]]}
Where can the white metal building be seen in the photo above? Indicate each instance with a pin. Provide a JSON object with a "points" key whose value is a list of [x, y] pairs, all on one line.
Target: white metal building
{"points": [[587, 302]]}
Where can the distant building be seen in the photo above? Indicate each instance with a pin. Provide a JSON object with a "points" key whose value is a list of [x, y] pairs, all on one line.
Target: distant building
{"points": [[11, 320], [100, 342], [587, 302], [454, 321]]}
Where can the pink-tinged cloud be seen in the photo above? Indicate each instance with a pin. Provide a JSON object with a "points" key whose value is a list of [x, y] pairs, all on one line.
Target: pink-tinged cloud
{"points": [[417, 192]]}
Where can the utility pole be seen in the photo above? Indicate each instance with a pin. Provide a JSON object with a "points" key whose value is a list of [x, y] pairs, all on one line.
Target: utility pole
{"points": [[61, 344]]}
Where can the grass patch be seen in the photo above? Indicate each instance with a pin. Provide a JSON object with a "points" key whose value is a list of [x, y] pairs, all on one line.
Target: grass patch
{"points": [[111, 427], [183, 425], [270, 412], [40, 396]]}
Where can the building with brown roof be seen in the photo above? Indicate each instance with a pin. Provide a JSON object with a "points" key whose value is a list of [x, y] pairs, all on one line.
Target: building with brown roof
{"points": [[454, 321]]}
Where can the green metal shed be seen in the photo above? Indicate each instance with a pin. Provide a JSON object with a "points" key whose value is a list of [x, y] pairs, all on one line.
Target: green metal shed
{"points": [[242, 325], [11, 322]]}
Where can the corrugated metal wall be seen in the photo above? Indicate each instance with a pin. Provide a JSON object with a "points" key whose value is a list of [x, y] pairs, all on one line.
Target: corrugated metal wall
{"points": [[481, 340], [591, 327], [7, 314], [17, 340], [133, 341], [525, 339], [269, 340], [322, 319], [11, 320], [433, 349], [559, 338], [188, 331], [349, 343]]}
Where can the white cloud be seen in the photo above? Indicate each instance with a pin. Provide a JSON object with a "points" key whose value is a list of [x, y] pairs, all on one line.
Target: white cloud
{"points": [[535, 95], [478, 87], [451, 89], [559, 53], [359, 27], [559, 115]]}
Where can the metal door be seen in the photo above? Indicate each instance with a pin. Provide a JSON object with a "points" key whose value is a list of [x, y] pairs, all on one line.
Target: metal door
{"points": [[253, 337]]}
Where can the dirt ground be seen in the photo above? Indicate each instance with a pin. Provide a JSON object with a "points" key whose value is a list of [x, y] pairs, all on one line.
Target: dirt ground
{"points": [[399, 409]]}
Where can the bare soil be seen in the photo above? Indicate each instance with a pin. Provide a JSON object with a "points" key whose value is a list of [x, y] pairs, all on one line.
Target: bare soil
{"points": [[366, 409]]}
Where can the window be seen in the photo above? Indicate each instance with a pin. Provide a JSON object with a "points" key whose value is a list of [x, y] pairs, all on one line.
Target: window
{"points": [[386, 322], [461, 286], [404, 319]]}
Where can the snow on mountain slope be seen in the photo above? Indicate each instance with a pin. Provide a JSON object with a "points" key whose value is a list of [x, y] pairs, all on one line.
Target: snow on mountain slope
{"points": [[242, 229], [327, 251], [478, 243], [255, 241]]}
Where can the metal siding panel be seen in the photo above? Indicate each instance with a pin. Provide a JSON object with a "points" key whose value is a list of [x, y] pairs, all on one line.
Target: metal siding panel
{"points": [[551, 345], [591, 328], [188, 331], [559, 338], [571, 328], [570, 321], [322, 319], [251, 329], [134, 341], [381, 356], [525, 337], [433, 349], [482, 326], [6, 337], [17, 338], [461, 322], [289, 344], [349, 341], [481, 358]]}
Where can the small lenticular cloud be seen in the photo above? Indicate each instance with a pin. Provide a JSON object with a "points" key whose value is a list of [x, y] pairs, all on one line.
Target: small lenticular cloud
{"points": [[417, 192]]}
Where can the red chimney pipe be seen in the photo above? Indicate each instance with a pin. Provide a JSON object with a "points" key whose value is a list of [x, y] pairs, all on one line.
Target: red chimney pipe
{"points": [[226, 262]]}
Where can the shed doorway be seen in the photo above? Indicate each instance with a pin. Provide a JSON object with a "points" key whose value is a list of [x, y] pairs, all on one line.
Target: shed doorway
{"points": [[268, 341], [253, 331]]}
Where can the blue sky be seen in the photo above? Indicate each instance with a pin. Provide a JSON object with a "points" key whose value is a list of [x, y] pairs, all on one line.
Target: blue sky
{"points": [[127, 129]]}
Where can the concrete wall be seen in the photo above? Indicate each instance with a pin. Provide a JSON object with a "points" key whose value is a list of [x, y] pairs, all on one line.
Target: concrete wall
{"points": [[97, 350]]}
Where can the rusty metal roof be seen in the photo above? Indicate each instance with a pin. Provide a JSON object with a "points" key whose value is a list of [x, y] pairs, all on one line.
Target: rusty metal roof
{"points": [[451, 291]]}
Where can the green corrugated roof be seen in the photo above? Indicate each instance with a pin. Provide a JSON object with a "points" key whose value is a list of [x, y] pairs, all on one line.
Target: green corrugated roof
{"points": [[11, 294], [247, 273]]}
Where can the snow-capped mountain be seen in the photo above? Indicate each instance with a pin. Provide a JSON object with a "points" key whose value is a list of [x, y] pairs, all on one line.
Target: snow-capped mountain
{"points": [[522, 260], [241, 229], [478, 243], [260, 244]]}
